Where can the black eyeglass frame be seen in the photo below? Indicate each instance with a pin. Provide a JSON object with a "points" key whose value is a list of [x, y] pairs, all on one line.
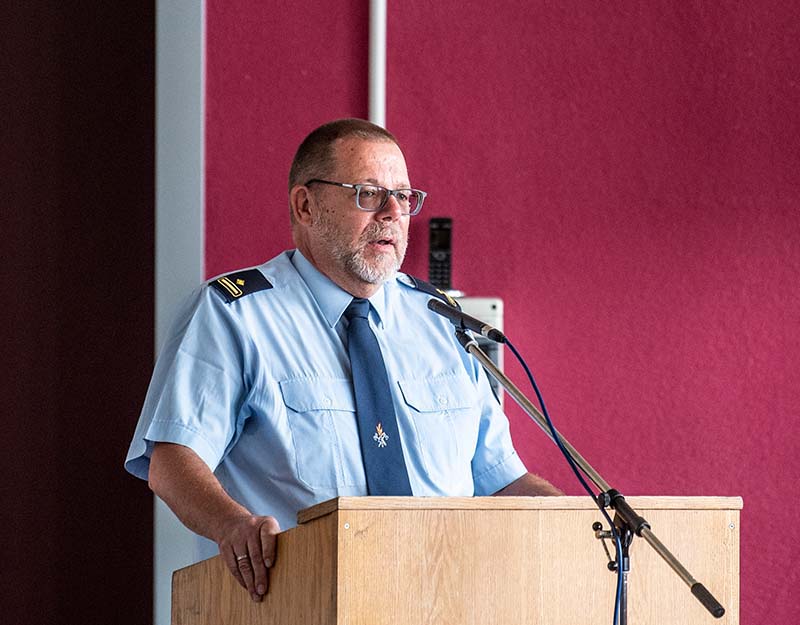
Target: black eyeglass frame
{"points": [[389, 192]]}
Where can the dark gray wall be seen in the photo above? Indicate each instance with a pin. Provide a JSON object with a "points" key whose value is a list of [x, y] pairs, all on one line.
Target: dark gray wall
{"points": [[76, 225]]}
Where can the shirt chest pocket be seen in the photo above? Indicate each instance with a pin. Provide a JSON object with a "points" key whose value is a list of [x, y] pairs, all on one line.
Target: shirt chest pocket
{"points": [[446, 419], [321, 418]]}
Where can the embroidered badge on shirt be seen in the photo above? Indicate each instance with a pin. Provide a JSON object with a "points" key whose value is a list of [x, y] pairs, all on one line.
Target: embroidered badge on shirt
{"points": [[449, 299], [380, 436], [235, 285], [232, 288]]}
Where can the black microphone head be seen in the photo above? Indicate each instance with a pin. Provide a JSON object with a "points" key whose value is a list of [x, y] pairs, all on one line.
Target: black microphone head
{"points": [[438, 306], [495, 335]]}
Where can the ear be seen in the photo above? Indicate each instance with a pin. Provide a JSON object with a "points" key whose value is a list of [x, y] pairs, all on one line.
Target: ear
{"points": [[301, 202]]}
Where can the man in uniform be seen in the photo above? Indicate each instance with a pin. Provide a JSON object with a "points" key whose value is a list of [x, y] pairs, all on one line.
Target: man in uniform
{"points": [[265, 395]]}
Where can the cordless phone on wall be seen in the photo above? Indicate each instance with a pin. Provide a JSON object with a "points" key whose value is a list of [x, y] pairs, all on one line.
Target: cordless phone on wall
{"points": [[439, 252], [488, 309]]}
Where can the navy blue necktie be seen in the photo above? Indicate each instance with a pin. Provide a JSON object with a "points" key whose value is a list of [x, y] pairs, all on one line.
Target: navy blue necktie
{"points": [[381, 448]]}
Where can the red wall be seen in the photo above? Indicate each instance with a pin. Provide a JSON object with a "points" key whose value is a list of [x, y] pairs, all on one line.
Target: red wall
{"points": [[624, 177], [274, 72]]}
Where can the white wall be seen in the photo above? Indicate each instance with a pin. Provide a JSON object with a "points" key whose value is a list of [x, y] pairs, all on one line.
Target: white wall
{"points": [[180, 88]]}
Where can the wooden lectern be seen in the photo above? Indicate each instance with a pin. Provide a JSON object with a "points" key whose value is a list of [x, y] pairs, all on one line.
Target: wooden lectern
{"points": [[476, 561]]}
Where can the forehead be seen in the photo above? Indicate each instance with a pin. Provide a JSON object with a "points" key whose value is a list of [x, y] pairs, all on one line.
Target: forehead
{"points": [[370, 161]]}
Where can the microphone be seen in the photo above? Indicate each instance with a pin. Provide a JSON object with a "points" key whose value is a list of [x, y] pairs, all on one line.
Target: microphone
{"points": [[464, 321]]}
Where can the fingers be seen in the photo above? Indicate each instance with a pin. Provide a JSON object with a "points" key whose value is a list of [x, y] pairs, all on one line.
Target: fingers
{"points": [[248, 568], [232, 562], [268, 533], [248, 549], [257, 568]]}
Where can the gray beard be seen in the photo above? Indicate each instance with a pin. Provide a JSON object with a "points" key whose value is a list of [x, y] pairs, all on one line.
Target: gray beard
{"points": [[355, 261], [358, 266]]}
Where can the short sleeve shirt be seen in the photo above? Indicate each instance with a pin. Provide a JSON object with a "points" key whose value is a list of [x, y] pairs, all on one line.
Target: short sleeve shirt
{"points": [[260, 388]]}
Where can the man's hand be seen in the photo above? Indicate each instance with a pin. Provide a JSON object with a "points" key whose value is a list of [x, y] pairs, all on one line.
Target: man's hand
{"points": [[248, 545], [529, 485], [246, 541]]}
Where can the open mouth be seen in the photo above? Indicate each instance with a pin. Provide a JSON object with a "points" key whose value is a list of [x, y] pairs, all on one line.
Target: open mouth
{"points": [[385, 241], [381, 239]]}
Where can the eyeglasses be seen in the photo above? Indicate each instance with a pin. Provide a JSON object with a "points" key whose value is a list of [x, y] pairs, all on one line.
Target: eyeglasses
{"points": [[373, 197]]}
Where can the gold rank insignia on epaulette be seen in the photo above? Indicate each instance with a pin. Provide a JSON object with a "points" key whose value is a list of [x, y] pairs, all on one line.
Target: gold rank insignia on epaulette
{"points": [[427, 287], [238, 284]]}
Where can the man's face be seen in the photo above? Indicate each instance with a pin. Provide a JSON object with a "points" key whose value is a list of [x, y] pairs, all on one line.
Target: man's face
{"points": [[360, 250]]}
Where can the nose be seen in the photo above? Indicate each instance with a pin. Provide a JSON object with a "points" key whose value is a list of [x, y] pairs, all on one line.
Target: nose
{"points": [[391, 211]]}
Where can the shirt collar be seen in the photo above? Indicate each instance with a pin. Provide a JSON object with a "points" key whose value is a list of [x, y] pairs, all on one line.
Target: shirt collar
{"points": [[330, 297]]}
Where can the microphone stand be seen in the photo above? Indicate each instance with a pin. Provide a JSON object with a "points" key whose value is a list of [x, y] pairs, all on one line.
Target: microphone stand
{"points": [[626, 518]]}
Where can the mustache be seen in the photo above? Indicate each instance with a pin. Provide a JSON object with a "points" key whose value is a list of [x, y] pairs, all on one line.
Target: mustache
{"points": [[375, 231]]}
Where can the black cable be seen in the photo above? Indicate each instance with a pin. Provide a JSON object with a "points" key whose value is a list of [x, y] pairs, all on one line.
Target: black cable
{"points": [[579, 474]]}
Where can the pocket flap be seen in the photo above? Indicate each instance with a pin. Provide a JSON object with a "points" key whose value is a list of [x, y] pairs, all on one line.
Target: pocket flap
{"points": [[306, 394], [449, 392]]}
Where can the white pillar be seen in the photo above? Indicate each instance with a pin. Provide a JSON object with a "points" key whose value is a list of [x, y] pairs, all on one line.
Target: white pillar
{"points": [[179, 253], [377, 62]]}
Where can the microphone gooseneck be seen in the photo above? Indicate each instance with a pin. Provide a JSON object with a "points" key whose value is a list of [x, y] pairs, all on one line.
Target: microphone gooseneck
{"points": [[464, 321]]}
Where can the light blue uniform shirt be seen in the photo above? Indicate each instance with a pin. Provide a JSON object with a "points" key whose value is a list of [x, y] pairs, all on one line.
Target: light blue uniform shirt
{"points": [[260, 389]]}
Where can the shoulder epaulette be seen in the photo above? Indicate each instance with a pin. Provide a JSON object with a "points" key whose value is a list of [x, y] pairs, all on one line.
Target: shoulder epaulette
{"points": [[427, 287], [236, 285]]}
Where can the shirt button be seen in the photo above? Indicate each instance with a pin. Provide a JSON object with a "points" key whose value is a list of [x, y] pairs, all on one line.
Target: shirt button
{"points": [[326, 401], [442, 400]]}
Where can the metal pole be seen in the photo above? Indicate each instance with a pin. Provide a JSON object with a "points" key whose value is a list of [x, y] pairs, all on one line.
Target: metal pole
{"points": [[615, 500], [377, 62]]}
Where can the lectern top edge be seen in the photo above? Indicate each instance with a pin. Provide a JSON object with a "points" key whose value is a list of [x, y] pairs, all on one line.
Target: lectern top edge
{"points": [[509, 503]]}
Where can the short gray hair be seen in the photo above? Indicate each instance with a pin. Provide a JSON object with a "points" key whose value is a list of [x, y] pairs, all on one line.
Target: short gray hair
{"points": [[314, 157]]}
